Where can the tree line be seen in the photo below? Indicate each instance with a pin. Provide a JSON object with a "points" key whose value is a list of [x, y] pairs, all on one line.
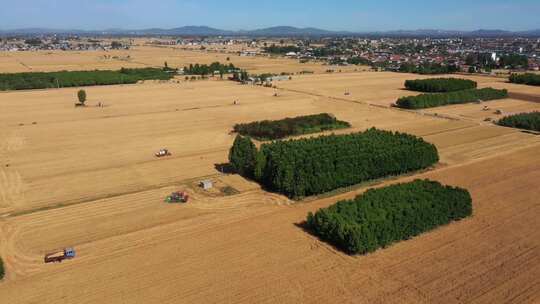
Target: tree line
{"points": [[44, 80], [485, 60], [527, 121], [277, 129], [310, 166], [440, 99], [358, 61], [428, 68], [205, 69], [527, 78], [281, 50], [514, 61], [440, 85], [380, 217]]}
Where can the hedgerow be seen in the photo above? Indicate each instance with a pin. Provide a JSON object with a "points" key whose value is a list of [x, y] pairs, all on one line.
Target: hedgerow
{"points": [[440, 85], [441, 99], [527, 121], [310, 166], [383, 216], [527, 78], [44, 80], [277, 129]]}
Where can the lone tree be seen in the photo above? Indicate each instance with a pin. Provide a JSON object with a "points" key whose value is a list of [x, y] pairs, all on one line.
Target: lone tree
{"points": [[82, 96], [242, 156]]}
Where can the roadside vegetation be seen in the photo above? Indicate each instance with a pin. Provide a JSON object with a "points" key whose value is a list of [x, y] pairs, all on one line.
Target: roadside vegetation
{"points": [[64, 79], [311, 166], [527, 121], [440, 85], [277, 129], [440, 99], [527, 78], [380, 217]]}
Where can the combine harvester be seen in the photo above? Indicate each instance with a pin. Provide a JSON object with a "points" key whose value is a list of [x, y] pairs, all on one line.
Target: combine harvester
{"points": [[58, 257], [163, 153], [177, 197]]}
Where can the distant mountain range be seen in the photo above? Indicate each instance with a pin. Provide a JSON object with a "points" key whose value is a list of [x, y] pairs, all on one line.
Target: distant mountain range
{"points": [[278, 31]]}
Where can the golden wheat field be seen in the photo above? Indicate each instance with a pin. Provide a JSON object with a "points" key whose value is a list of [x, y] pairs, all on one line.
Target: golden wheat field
{"points": [[87, 178]]}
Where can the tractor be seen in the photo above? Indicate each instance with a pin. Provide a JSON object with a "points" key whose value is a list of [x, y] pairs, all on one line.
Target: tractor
{"points": [[177, 197]]}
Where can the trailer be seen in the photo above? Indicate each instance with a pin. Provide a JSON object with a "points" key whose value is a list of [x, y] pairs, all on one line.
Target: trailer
{"points": [[59, 256]]}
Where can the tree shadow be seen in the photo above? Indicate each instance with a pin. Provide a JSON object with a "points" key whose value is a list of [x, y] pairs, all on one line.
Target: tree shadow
{"points": [[305, 228], [225, 168]]}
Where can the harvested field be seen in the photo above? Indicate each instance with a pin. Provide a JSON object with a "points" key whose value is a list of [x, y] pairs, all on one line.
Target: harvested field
{"points": [[148, 56], [87, 178], [476, 112]]}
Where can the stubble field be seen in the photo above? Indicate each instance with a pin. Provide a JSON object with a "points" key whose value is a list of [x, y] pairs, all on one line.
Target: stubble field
{"points": [[142, 56], [87, 178]]}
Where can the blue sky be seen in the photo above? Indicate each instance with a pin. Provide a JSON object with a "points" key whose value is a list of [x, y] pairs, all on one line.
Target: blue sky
{"points": [[359, 15]]}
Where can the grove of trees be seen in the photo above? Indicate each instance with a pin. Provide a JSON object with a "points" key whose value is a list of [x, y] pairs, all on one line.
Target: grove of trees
{"points": [[513, 61], [358, 60], [204, 69], [310, 166], [483, 60], [428, 68], [527, 78], [380, 217], [527, 121], [440, 99], [440, 85], [281, 50], [277, 129], [44, 80]]}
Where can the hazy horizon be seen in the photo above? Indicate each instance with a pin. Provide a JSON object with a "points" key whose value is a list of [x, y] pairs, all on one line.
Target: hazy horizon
{"points": [[349, 15]]}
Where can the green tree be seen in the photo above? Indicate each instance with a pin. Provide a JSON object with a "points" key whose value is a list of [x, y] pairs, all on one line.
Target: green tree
{"points": [[242, 156], [116, 45], [260, 163], [82, 96]]}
